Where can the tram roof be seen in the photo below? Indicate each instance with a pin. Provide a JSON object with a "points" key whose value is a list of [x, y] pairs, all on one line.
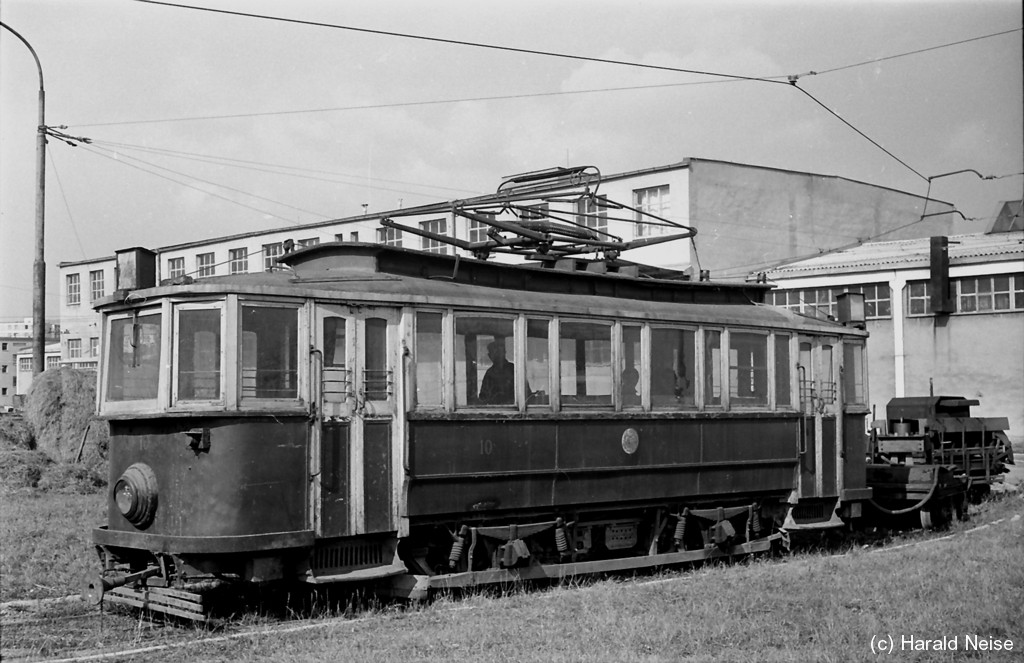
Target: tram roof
{"points": [[373, 273]]}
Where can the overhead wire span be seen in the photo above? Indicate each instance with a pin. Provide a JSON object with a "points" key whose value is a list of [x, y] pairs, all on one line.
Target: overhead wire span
{"points": [[531, 95], [196, 188], [790, 80], [459, 42], [277, 169], [64, 197]]}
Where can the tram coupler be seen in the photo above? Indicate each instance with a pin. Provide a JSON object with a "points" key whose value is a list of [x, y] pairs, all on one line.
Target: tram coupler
{"points": [[95, 589]]}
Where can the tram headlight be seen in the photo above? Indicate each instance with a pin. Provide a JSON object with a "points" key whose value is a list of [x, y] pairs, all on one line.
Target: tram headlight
{"points": [[135, 495]]}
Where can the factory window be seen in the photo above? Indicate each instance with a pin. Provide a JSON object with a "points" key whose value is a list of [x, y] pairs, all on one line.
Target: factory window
{"points": [[271, 252], [24, 364], [592, 212], [478, 229], [973, 294], [133, 365], [309, 241], [94, 347], [52, 362], [96, 290], [585, 358], [484, 361], [175, 268], [673, 359], [437, 227], [653, 200], [74, 289], [919, 298], [985, 294], [238, 261], [534, 212], [821, 302], [205, 265], [74, 348], [389, 236]]}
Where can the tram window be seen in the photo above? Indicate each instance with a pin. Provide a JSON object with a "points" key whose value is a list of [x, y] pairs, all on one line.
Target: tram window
{"points": [[484, 361], [748, 369], [537, 361], [429, 376], [376, 374], [782, 371], [585, 359], [853, 373], [199, 354], [334, 342], [672, 365], [827, 379], [629, 370], [133, 372], [269, 352], [712, 367], [805, 377], [336, 382]]}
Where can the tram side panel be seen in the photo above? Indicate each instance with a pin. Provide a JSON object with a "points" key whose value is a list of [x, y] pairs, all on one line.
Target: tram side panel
{"points": [[471, 467]]}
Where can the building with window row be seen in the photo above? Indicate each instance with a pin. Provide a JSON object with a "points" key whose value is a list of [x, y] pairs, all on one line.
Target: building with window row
{"points": [[746, 217], [16, 359], [972, 347]]}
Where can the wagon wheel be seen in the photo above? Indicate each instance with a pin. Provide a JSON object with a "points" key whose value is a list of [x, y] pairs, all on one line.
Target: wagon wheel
{"points": [[938, 514]]}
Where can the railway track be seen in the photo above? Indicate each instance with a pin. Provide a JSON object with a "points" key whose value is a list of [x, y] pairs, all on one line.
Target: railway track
{"points": [[70, 629]]}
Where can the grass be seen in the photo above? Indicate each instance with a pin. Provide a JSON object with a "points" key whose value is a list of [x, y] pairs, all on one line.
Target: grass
{"points": [[805, 607], [46, 543]]}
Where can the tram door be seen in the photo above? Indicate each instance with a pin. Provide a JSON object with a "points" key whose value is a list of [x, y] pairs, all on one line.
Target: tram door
{"points": [[817, 373], [355, 362]]}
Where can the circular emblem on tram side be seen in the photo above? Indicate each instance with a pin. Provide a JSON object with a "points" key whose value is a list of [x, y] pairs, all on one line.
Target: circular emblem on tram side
{"points": [[630, 440]]}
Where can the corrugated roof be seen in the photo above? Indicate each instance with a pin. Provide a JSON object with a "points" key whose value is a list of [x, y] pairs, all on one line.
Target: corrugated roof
{"points": [[907, 254]]}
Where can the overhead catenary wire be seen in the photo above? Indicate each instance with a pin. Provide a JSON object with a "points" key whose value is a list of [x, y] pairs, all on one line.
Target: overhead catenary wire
{"points": [[279, 169], [791, 80], [64, 198], [528, 95], [191, 186]]}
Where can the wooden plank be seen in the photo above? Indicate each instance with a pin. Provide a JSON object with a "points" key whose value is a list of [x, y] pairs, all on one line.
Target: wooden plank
{"points": [[134, 602], [156, 598]]}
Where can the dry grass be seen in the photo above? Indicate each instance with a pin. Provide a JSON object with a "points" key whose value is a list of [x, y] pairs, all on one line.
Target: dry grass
{"points": [[46, 543], [808, 607], [59, 409]]}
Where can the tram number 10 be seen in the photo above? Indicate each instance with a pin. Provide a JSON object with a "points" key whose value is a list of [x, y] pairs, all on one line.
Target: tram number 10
{"points": [[486, 447]]}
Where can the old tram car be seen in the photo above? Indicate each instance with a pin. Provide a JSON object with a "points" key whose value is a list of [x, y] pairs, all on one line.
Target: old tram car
{"points": [[342, 420]]}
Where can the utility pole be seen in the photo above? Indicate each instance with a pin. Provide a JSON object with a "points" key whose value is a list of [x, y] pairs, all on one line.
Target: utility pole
{"points": [[39, 264]]}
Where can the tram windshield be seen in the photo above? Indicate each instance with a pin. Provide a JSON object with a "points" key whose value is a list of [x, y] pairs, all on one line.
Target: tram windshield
{"points": [[133, 369]]}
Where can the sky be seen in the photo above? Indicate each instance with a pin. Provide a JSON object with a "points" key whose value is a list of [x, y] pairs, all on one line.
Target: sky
{"points": [[204, 124]]}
